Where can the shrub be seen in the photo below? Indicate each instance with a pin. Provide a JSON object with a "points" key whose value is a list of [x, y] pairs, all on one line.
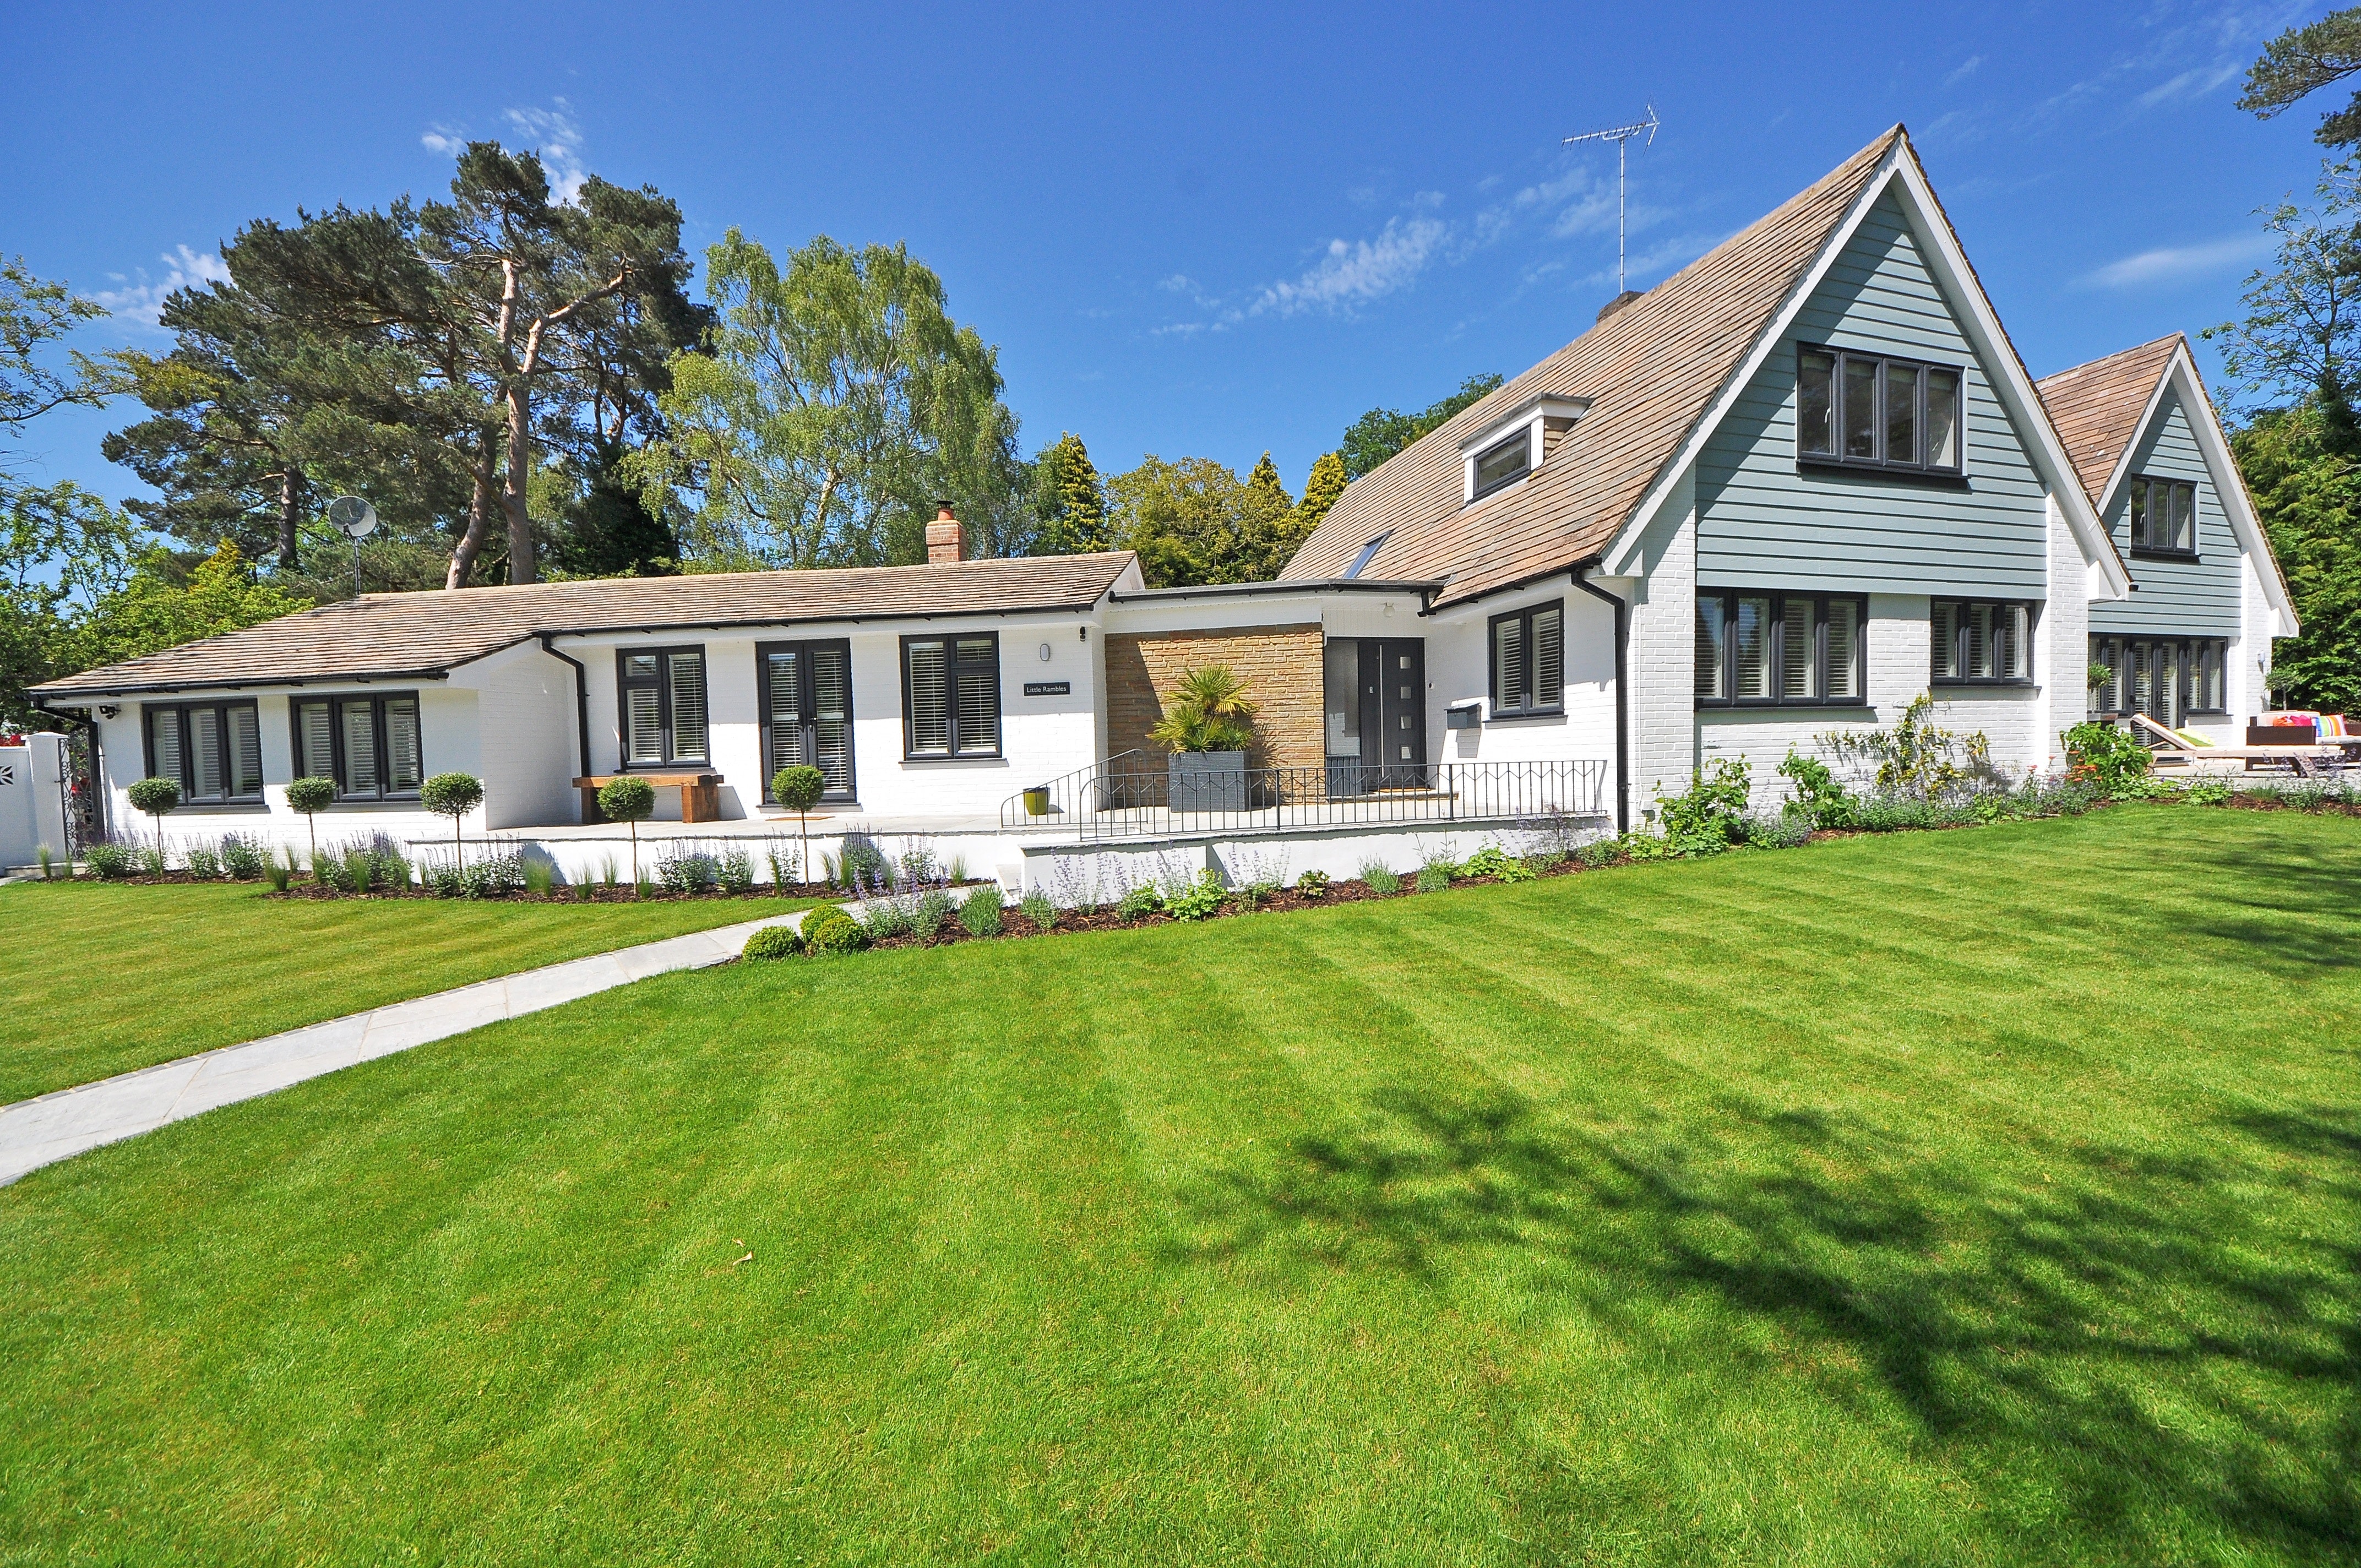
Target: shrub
{"points": [[1433, 876], [152, 861], [1914, 758], [540, 878], [772, 942], [156, 797], [2207, 792], [831, 930], [627, 800], [735, 871], [859, 863], [108, 862], [1704, 819], [1039, 910], [688, 869], [1379, 878], [1137, 903], [241, 858], [2108, 757], [493, 876], [1599, 852], [798, 789], [1312, 884], [1494, 862], [1788, 831], [1208, 712], [278, 873], [1201, 900], [932, 912], [204, 865], [1820, 799], [980, 912], [311, 796], [453, 796]]}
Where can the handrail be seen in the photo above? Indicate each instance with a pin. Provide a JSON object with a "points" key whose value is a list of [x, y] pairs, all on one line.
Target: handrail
{"points": [[1129, 796]]}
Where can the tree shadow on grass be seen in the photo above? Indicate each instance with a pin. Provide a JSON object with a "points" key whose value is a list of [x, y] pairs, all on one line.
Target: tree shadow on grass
{"points": [[2289, 912], [2043, 1326]]}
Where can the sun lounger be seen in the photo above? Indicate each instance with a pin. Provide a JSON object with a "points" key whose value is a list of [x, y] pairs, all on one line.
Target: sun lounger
{"points": [[2174, 747]]}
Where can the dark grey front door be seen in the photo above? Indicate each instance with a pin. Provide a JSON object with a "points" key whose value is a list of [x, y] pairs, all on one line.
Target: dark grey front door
{"points": [[1393, 712]]}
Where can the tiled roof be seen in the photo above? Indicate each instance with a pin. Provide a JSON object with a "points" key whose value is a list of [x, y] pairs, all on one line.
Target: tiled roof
{"points": [[427, 633], [1650, 370], [2097, 408]]}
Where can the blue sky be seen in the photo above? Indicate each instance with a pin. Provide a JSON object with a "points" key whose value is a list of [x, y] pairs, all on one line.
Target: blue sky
{"points": [[1191, 230]]}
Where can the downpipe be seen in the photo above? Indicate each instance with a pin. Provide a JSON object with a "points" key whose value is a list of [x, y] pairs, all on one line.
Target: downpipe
{"points": [[1622, 698]]}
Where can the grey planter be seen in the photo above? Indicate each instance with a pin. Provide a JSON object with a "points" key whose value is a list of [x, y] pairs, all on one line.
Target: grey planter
{"points": [[1207, 780]]}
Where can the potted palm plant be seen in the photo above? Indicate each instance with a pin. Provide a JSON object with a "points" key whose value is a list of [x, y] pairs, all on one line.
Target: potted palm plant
{"points": [[1207, 725]]}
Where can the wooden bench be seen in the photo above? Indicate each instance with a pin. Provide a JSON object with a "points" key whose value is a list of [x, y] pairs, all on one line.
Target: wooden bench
{"points": [[700, 793]]}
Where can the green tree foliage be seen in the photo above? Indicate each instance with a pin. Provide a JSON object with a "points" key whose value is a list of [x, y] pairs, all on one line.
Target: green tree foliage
{"points": [[1208, 712], [838, 402], [1320, 491], [1380, 434], [1070, 499], [1194, 521], [2306, 482], [35, 312], [572, 310], [161, 606], [2300, 62], [62, 550], [2303, 324]]}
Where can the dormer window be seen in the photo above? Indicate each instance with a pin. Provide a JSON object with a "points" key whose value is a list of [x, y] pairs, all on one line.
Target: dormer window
{"points": [[1505, 464], [1498, 454]]}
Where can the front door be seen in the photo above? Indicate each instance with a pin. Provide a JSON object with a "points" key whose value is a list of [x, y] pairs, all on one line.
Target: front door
{"points": [[1393, 712]]}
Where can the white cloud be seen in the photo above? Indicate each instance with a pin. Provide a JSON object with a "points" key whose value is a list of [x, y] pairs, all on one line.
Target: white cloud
{"points": [[2195, 82], [552, 133], [141, 300], [1964, 69], [2173, 264], [444, 140], [1357, 272]]}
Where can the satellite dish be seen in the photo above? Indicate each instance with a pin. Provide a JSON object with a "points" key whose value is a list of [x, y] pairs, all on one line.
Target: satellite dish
{"points": [[352, 517]]}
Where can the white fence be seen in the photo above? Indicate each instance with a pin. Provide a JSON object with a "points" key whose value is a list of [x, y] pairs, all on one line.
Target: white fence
{"points": [[32, 800]]}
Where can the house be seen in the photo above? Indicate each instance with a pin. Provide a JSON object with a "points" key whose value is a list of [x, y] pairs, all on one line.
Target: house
{"points": [[1796, 485], [2191, 646]]}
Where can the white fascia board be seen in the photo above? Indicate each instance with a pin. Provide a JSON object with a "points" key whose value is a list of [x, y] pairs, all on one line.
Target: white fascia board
{"points": [[1985, 335], [2181, 375]]}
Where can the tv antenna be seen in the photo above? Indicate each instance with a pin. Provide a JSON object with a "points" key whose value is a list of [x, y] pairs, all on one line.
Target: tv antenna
{"points": [[356, 519], [1620, 136]]}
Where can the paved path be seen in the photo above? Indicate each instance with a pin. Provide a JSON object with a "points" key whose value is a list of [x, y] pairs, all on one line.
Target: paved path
{"points": [[35, 1133]]}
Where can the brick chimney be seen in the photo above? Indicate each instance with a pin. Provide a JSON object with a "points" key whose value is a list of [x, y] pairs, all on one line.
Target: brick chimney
{"points": [[943, 540]]}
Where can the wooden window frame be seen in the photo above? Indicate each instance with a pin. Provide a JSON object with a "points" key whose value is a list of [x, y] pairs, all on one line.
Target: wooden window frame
{"points": [[805, 646], [1835, 458], [1534, 685], [1776, 650], [672, 759], [2145, 522], [951, 666], [337, 702], [221, 707], [2032, 609]]}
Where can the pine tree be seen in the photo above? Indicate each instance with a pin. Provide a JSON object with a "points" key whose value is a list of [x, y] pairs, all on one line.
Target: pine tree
{"points": [[1320, 492], [1265, 478], [1071, 498]]}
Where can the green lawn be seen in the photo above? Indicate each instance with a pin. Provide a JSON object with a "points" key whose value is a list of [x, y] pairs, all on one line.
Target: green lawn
{"points": [[1989, 1196], [99, 977]]}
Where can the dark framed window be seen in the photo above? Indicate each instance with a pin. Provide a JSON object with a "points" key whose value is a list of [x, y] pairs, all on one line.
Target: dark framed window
{"points": [[662, 696], [212, 749], [369, 744], [1529, 661], [951, 696], [1980, 642], [807, 711], [2167, 678], [1760, 649], [1872, 410], [2164, 516], [1503, 463]]}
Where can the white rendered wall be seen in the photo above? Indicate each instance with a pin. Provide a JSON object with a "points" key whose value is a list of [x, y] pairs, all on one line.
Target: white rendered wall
{"points": [[1458, 671], [32, 810], [524, 706]]}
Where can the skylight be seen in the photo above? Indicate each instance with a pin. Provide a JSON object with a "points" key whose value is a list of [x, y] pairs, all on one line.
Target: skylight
{"points": [[1362, 559]]}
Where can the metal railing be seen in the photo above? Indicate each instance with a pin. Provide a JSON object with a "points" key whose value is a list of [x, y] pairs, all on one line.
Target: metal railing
{"points": [[1141, 795]]}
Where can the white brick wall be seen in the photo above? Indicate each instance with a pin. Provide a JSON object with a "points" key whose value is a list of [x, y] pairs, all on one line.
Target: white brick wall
{"points": [[1662, 660]]}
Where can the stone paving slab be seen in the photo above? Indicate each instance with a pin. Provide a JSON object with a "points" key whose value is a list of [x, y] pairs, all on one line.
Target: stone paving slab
{"points": [[51, 1127]]}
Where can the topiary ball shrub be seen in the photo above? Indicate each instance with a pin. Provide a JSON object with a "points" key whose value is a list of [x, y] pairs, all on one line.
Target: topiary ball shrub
{"points": [[154, 796], [772, 942], [831, 930]]}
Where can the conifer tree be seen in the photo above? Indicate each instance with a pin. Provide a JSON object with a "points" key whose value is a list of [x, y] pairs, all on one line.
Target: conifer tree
{"points": [[1071, 500], [1320, 492]]}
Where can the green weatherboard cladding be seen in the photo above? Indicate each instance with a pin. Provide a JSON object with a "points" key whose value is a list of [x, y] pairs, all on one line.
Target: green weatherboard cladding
{"points": [[2192, 599], [1762, 522]]}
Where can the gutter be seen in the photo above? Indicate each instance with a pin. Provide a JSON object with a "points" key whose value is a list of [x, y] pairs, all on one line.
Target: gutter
{"points": [[581, 698], [1622, 698]]}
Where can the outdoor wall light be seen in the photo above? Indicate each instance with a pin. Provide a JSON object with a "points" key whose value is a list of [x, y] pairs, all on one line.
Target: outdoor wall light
{"points": [[1045, 652], [107, 711]]}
